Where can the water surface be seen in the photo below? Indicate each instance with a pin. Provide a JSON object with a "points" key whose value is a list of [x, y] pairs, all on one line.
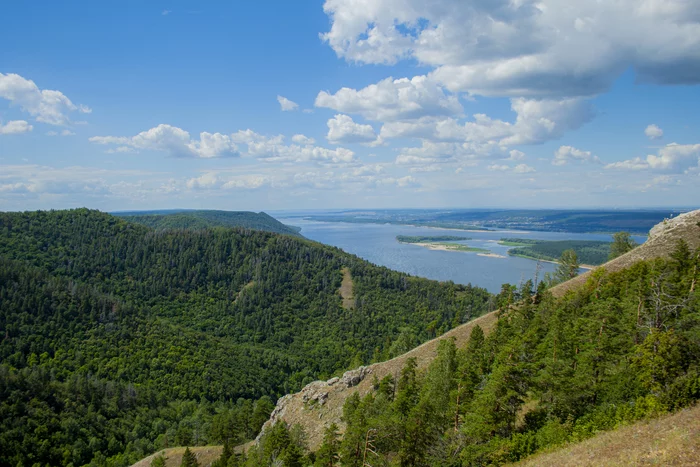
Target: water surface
{"points": [[377, 243]]}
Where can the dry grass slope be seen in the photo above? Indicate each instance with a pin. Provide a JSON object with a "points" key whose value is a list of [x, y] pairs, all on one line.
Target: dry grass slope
{"points": [[661, 243], [346, 290], [673, 440], [206, 455]]}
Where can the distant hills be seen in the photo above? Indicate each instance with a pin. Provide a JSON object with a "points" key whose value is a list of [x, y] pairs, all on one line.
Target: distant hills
{"points": [[202, 219], [546, 220]]}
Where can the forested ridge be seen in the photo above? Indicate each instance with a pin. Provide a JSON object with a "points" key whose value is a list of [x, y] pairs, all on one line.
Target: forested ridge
{"points": [[623, 347], [203, 219], [117, 339], [588, 251]]}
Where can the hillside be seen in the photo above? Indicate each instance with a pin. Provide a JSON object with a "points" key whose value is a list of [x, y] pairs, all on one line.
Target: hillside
{"points": [[589, 252], [119, 340], [562, 325], [661, 243], [672, 440], [202, 219]]}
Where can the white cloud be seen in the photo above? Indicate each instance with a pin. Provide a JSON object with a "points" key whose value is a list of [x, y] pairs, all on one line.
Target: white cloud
{"points": [[672, 158], [212, 180], [523, 169], [286, 105], [516, 155], [14, 127], [654, 132], [391, 100], [524, 48], [536, 121], [67, 133], [46, 106], [303, 139], [426, 168], [566, 154], [342, 129], [176, 142], [518, 169], [274, 149], [435, 153]]}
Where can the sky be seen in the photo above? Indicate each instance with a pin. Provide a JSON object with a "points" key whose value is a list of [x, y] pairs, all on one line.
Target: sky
{"points": [[279, 105]]}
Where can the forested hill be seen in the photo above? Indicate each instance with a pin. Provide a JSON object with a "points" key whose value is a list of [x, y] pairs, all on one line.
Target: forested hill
{"points": [[618, 344], [201, 219], [117, 339]]}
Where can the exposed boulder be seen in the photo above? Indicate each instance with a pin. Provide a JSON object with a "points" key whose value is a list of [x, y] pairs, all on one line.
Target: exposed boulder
{"points": [[354, 377]]}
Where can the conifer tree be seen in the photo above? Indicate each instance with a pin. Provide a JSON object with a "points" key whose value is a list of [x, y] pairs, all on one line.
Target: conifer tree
{"points": [[621, 244], [189, 459], [327, 455]]}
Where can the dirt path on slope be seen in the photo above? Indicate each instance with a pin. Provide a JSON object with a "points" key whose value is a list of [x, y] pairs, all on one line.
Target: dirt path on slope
{"points": [[346, 290]]}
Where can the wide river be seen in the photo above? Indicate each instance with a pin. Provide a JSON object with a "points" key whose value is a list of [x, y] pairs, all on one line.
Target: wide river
{"points": [[377, 243]]}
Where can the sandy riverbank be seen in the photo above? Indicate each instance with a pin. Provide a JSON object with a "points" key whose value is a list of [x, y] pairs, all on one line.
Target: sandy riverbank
{"points": [[491, 255]]}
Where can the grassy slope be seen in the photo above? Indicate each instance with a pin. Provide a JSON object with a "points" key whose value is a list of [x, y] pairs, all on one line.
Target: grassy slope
{"points": [[671, 440]]}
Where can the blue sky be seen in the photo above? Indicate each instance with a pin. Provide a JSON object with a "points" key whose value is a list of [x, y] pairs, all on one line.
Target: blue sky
{"points": [[349, 104]]}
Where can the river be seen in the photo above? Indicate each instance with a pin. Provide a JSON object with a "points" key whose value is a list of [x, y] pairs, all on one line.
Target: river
{"points": [[377, 243]]}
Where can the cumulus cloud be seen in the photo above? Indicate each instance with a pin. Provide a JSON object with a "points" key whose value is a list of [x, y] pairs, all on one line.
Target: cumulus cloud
{"points": [[393, 99], [274, 149], [45, 105], [516, 155], [212, 180], [673, 158], [529, 48], [342, 129], [286, 105], [439, 153], [523, 169], [518, 169], [566, 154], [175, 141], [14, 127], [536, 121], [654, 132], [303, 139]]}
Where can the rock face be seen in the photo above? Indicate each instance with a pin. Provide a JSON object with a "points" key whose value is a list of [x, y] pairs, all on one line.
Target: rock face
{"points": [[687, 219], [353, 377], [313, 397]]}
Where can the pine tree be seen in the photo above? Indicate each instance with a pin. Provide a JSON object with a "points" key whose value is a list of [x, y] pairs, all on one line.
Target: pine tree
{"points": [[621, 244], [189, 459], [158, 461], [327, 454], [568, 267]]}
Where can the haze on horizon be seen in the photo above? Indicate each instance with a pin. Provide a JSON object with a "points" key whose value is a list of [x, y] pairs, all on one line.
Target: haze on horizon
{"points": [[350, 104]]}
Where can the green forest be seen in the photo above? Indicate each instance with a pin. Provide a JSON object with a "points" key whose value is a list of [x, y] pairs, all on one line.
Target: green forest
{"points": [[202, 219], [624, 347], [119, 339], [588, 251]]}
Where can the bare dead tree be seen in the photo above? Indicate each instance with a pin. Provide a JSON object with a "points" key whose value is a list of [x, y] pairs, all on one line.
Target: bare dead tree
{"points": [[369, 446]]}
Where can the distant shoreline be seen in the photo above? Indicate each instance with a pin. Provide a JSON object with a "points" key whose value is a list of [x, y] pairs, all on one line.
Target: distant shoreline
{"points": [[581, 266]]}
